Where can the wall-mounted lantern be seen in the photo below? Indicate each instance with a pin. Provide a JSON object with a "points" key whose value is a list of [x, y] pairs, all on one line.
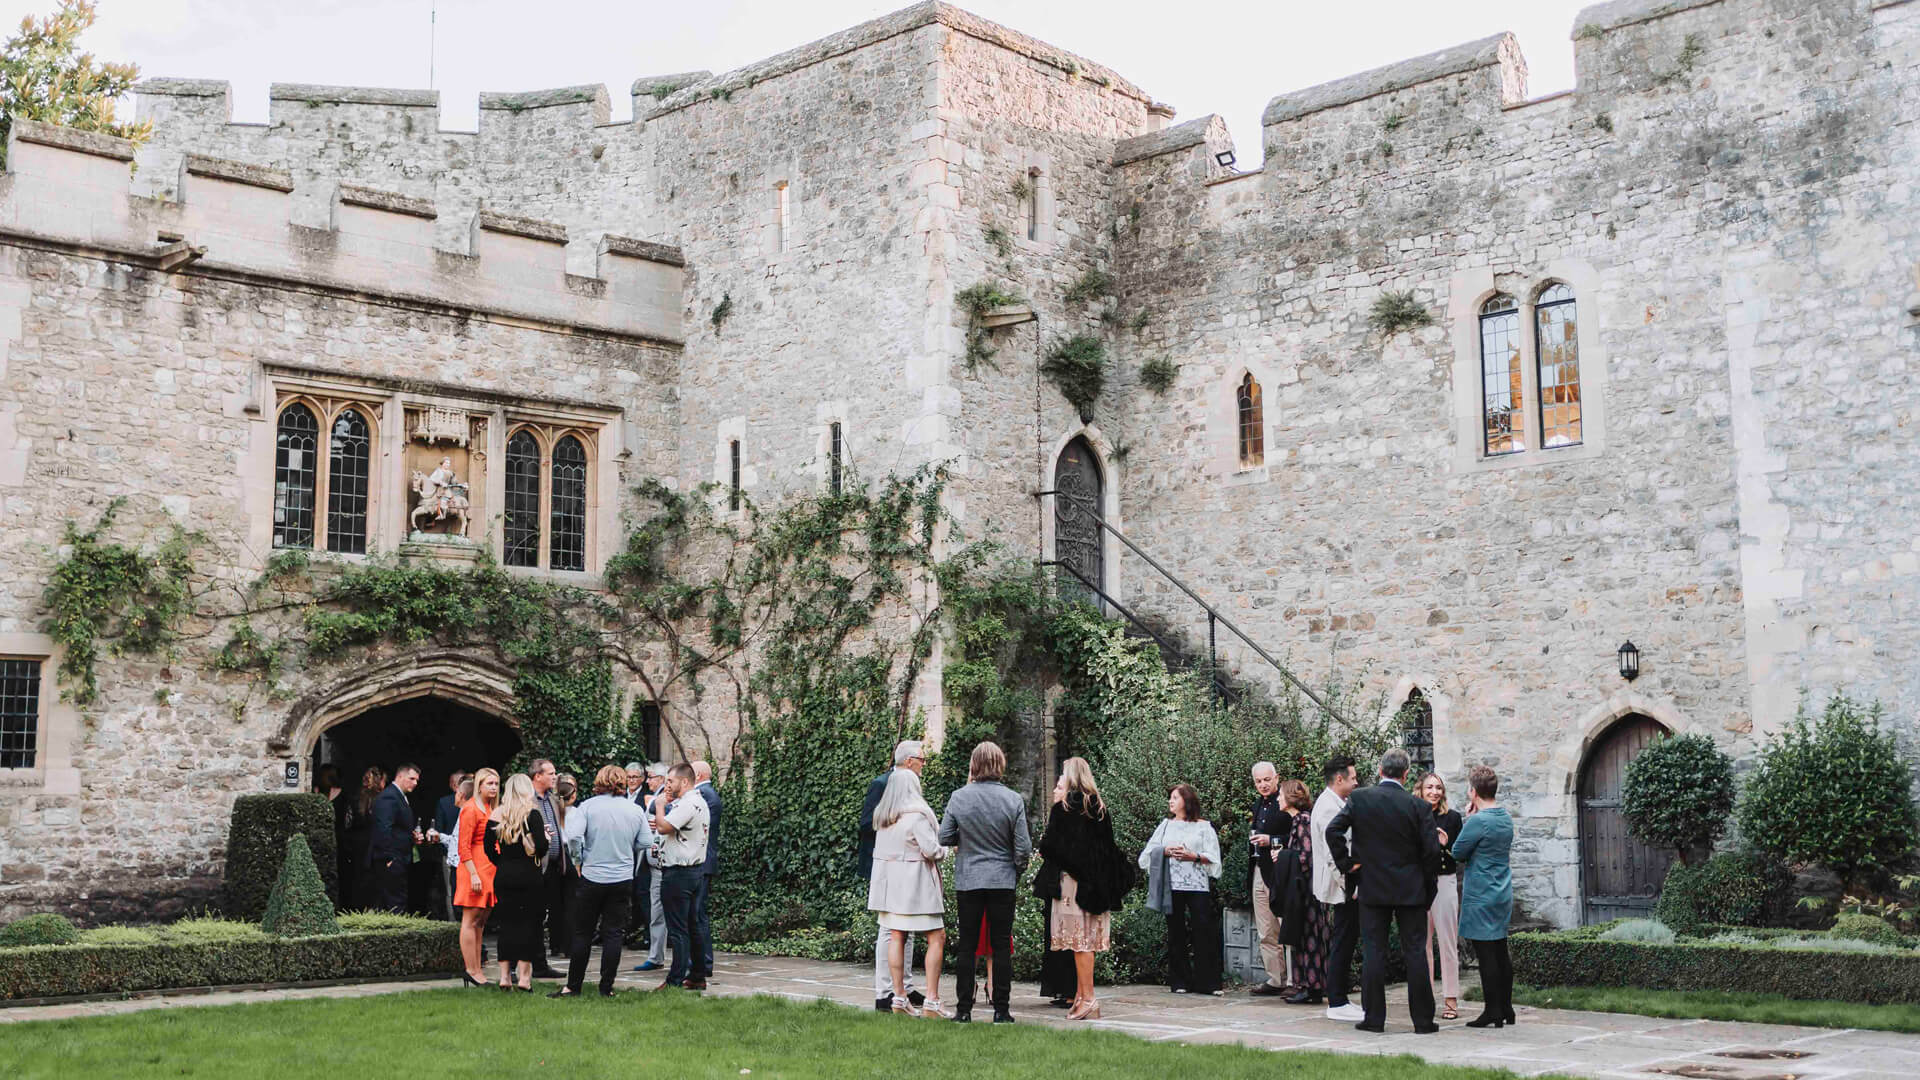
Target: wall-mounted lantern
{"points": [[1629, 661]]}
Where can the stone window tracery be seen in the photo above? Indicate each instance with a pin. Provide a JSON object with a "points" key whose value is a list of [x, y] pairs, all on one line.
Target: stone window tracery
{"points": [[569, 544], [1557, 351], [1503, 418], [522, 526], [349, 446], [1252, 423], [295, 476], [19, 713]]}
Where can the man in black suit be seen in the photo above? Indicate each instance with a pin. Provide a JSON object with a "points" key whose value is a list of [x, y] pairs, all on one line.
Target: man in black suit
{"points": [[390, 851], [1394, 862], [702, 925]]}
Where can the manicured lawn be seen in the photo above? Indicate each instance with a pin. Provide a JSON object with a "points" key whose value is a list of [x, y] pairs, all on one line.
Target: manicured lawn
{"points": [[484, 1033], [1710, 1005]]}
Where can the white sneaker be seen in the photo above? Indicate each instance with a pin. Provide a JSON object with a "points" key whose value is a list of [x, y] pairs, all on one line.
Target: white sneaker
{"points": [[1348, 1012]]}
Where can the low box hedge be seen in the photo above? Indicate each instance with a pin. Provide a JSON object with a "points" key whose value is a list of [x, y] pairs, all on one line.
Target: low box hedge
{"points": [[1576, 959], [48, 971]]}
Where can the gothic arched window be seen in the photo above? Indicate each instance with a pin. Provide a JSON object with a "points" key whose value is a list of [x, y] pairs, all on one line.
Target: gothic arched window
{"points": [[568, 546], [1503, 418], [295, 476], [1253, 439], [1416, 728], [522, 529], [348, 455], [1558, 350]]}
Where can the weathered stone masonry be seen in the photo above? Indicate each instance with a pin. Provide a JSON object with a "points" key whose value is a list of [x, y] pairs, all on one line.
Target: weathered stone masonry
{"points": [[1727, 191]]}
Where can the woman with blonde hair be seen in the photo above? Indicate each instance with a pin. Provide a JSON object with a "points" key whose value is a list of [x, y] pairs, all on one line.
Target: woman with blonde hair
{"points": [[516, 841], [473, 877], [905, 888], [1093, 876], [1443, 915]]}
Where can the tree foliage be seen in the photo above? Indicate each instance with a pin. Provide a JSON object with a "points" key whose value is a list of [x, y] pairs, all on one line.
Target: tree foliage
{"points": [[1678, 793], [44, 77], [1834, 789]]}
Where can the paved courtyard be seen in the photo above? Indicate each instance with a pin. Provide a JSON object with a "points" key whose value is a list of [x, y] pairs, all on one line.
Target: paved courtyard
{"points": [[1545, 1041]]}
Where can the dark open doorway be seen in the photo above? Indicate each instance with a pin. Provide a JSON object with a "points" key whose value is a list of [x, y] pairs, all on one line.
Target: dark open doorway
{"points": [[438, 735]]}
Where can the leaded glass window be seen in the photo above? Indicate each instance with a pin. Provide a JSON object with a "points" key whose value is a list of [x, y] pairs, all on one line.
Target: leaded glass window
{"points": [[733, 475], [1416, 727], [1503, 415], [1555, 341], [522, 527], [1253, 441], [348, 445], [568, 546], [296, 438], [834, 452], [19, 713]]}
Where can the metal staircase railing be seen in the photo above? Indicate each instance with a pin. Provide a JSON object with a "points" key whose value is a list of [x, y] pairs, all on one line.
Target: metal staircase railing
{"points": [[1069, 506]]}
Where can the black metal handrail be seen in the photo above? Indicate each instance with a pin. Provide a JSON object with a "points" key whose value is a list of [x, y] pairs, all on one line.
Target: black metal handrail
{"points": [[1214, 618], [1166, 647]]}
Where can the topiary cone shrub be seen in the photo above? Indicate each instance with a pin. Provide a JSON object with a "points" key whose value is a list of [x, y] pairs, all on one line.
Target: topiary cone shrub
{"points": [[257, 841], [298, 906]]}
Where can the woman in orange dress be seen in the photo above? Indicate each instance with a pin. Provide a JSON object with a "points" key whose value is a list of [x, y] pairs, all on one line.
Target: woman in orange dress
{"points": [[473, 881]]}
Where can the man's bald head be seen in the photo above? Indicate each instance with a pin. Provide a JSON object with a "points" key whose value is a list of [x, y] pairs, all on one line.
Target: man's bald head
{"points": [[702, 772]]}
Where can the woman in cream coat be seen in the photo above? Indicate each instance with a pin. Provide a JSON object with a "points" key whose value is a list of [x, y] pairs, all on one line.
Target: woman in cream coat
{"points": [[905, 889]]}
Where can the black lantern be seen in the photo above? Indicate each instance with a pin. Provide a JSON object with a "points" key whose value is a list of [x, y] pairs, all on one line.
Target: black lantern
{"points": [[1629, 662]]}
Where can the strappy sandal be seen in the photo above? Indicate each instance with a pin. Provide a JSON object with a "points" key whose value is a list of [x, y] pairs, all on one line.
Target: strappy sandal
{"points": [[1450, 1011]]}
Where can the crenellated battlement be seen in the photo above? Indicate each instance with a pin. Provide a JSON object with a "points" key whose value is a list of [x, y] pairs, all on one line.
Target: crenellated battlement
{"points": [[75, 189]]}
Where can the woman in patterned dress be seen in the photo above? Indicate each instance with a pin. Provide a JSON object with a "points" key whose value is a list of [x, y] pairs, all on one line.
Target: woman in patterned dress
{"points": [[1309, 957], [1079, 843]]}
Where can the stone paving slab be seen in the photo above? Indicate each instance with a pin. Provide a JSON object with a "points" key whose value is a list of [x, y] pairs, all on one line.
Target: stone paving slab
{"points": [[1611, 1046]]}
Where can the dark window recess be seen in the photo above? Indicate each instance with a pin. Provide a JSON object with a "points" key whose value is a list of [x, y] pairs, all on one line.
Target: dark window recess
{"points": [[294, 474], [649, 716], [733, 475], [1253, 438], [522, 530], [568, 547], [1416, 726], [834, 452], [347, 459], [19, 713]]}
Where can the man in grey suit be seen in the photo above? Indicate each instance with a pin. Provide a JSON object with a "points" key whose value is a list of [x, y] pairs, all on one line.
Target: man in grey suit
{"points": [[987, 822]]}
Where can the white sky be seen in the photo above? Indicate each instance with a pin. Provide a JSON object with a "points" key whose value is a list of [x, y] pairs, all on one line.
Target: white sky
{"points": [[1200, 56]]}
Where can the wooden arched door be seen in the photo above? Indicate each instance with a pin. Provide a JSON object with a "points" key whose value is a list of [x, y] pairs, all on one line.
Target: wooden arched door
{"points": [[1078, 504], [1619, 876]]}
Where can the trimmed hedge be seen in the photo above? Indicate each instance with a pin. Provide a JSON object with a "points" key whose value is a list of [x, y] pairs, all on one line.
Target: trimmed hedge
{"points": [[46, 971], [1575, 959], [257, 838]]}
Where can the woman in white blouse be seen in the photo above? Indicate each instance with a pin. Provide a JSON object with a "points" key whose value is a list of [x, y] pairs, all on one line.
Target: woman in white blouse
{"points": [[1191, 850], [905, 888]]}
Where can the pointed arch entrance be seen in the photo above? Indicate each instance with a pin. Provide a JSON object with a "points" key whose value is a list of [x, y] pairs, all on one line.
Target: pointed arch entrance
{"points": [[1080, 499], [1620, 877]]}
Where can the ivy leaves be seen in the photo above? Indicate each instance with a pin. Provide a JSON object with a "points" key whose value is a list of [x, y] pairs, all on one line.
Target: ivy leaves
{"points": [[107, 591]]}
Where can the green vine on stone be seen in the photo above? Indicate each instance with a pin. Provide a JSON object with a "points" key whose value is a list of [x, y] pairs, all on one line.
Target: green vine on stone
{"points": [[1077, 366], [106, 591], [1093, 284], [721, 310], [978, 301], [1159, 374], [1397, 311]]}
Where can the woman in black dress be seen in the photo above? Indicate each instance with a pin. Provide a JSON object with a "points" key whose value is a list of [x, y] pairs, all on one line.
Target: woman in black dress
{"points": [[516, 841], [356, 825]]}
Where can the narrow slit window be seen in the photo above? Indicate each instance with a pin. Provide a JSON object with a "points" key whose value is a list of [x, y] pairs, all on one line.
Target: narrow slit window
{"points": [[522, 527], [569, 543], [19, 713], [834, 459], [1558, 350], [780, 219], [733, 475], [1033, 204], [295, 474], [649, 716], [1503, 417], [348, 452], [1253, 441]]}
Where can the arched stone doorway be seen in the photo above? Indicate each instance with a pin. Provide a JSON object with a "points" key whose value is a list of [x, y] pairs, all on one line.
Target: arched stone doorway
{"points": [[1079, 502], [1620, 877]]}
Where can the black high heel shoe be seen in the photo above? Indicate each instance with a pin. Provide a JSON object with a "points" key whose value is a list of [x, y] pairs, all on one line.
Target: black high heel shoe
{"points": [[1486, 1020], [470, 980], [1512, 1019]]}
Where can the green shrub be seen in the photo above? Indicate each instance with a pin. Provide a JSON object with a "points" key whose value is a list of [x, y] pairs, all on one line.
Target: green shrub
{"points": [[298, 906], [1745, 889], [1732, 937], [1831, 944], [1678, 794], [121, 935], [1077, 367], [1650, 931], [211, 929], [354, 921], [257, 842], [1867, 928], [51, 972], [43, 929], [1158, 374], [1393, 312], [1833, 790], [1565, 959]]}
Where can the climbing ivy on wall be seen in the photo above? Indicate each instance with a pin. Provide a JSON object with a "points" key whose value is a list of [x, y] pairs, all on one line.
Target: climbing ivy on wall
{"points": [[106, 595]]}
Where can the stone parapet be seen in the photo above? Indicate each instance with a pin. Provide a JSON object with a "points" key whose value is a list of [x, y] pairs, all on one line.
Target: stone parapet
{"points": [[1500, 50]]}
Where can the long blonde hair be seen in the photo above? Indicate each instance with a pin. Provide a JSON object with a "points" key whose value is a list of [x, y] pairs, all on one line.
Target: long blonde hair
{"points": [[1438, 779], [479, 780], [901, 797], [516, 804], [1079, 777]]}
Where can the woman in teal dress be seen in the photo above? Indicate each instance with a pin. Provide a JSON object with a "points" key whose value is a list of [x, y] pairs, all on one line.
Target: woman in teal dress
{"points": [[1486, 894]]}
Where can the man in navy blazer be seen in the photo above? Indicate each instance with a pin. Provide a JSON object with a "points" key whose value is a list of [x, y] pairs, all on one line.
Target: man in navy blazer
{"points": [[390, 850], [1395, 859], [702, 925]]}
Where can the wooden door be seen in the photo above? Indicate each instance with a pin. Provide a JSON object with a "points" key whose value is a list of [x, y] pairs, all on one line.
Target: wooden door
{"points": [[1619, 875], [1077, 507]]}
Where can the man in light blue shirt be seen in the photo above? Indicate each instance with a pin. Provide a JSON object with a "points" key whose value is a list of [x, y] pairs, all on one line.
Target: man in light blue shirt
{"points": [[606, 836]]}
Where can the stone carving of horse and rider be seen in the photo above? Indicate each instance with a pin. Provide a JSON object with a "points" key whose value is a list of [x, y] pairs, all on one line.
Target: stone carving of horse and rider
{"points": [[443, 498]]}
